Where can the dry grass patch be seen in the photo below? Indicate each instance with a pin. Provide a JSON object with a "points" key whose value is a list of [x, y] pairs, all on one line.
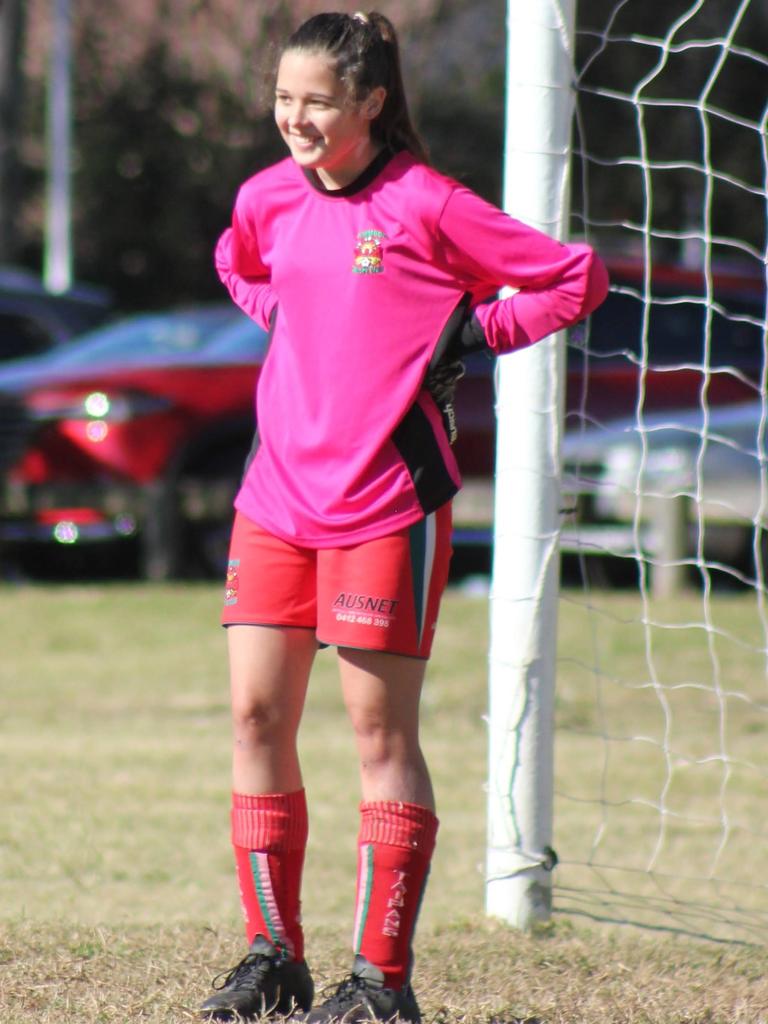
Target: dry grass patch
{"points": [[472, 973], [117, 896]]}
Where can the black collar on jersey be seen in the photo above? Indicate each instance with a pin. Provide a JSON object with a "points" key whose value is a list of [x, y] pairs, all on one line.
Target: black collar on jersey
{"points": [[361, 181]]}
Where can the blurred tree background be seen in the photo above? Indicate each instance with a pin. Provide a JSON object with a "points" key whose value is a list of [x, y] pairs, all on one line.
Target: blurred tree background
{"points": [[684, 85], [171, 113]]}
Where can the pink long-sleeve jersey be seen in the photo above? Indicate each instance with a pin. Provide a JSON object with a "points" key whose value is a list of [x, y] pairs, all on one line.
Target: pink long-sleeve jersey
{"points": [[361, 288]]}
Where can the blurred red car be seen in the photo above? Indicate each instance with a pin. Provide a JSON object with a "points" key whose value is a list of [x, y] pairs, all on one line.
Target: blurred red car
{"points": [[137, 430]]}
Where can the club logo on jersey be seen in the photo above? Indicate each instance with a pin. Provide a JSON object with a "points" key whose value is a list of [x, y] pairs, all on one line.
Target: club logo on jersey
{"points": [[232, 585], [369, 252]]}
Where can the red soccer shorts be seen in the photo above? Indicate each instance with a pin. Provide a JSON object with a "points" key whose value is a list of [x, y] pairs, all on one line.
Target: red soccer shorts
{"points": [[381, 595]]}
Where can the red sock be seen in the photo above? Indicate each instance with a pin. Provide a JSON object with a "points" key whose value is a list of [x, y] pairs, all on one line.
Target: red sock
{"points": [[395, 847], [269, 836]]}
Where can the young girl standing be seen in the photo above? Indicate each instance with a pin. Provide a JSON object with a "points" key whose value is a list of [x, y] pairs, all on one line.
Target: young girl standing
{"points": [[373, 274]]}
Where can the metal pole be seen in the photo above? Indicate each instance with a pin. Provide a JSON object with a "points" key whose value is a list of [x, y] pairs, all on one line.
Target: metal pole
{"points": [[57, 263], [668, 528], [525, 582], [12, 31]]}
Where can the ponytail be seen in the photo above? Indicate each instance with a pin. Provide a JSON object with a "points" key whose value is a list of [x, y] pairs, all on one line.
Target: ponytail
{"points": [[394, 122], [366, 55]]}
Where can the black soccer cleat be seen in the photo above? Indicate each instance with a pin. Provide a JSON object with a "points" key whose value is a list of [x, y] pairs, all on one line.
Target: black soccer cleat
{"points": [[362, 998], [264, 984]]}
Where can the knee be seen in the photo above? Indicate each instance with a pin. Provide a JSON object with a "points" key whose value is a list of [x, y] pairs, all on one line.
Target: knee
{"points": [[377, 742], [257, 723]]}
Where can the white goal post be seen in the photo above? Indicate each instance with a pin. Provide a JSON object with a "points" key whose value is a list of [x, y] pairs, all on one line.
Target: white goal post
{"points": [[525, 578], [655, 787]]}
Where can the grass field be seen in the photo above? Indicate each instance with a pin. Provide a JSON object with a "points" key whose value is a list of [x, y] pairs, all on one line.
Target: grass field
{"points": [[117, 898]]}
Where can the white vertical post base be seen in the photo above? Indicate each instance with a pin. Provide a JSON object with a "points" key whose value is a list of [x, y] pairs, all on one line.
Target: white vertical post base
{"points": [[527, 496]]}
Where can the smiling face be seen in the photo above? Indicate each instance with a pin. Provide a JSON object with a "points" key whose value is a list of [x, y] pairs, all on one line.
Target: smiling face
{"points": [[325, 129]]}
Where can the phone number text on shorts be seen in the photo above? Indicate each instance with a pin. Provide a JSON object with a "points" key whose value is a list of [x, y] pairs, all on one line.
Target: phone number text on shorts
{"points": [[362, 620]]}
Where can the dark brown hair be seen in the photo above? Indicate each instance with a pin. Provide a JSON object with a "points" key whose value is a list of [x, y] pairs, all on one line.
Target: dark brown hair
{"points": [[365, 54]]}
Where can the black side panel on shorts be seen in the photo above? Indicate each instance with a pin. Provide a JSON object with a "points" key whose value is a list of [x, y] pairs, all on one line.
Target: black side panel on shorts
{"points": [[418, 447]]}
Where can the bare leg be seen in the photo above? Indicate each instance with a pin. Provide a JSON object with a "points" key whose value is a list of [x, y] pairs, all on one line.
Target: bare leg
{"points": [[269, 673], [382, 693], [398, 826]]}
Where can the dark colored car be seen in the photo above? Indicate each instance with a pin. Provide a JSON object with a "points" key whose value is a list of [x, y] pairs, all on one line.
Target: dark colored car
{"points": [[34, 320], [137, 430], [670, 341], [667, 341]]}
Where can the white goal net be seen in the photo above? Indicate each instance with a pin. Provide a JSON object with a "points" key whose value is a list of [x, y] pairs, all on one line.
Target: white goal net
{"points": [[662, 682]]}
